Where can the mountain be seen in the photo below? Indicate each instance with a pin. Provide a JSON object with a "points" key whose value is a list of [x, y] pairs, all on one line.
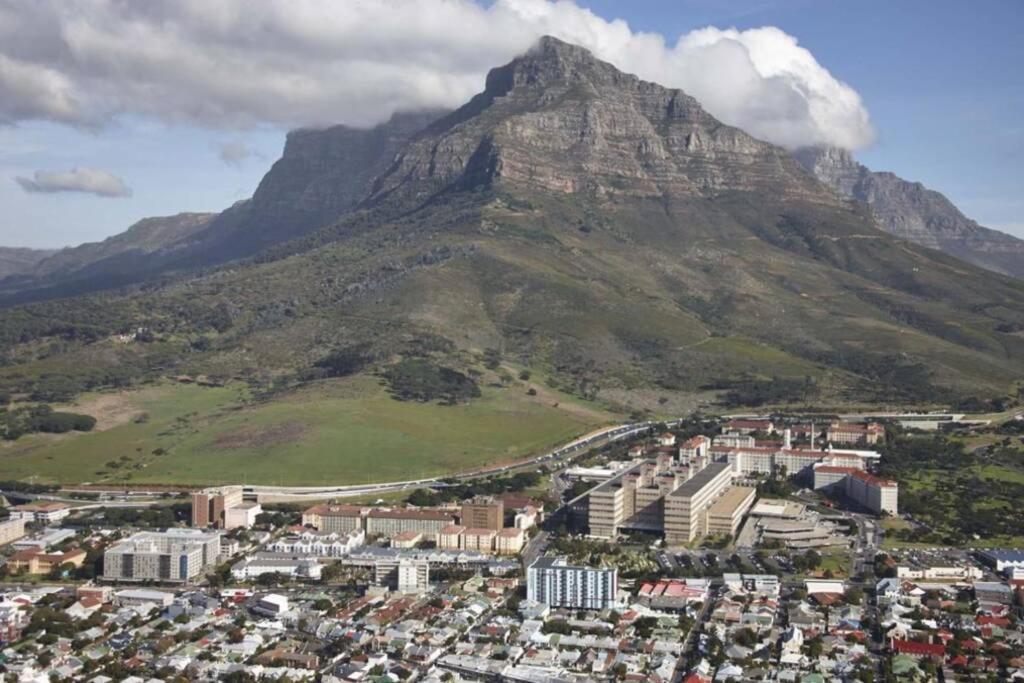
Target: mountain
{"points": [[601, 231], [16, 260], [321, 175], [913, 212]]}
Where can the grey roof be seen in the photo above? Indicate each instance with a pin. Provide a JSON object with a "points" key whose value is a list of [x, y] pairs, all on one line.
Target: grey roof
{"points": [[1004, 555], [701, 479]]}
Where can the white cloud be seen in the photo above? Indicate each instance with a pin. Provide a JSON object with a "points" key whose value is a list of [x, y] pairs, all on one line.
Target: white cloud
{"points": [[235, 152], [236, 63], [88, 180]]}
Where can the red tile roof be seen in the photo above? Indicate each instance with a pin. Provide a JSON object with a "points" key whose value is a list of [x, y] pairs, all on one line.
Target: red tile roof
{"points": [[916, 649]]}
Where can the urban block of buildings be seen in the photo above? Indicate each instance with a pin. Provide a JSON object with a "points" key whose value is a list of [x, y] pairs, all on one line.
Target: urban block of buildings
{"points": [[175, 555]]}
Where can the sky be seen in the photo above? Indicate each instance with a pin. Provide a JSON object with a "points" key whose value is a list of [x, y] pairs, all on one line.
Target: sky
{"points": [[112, 111]]}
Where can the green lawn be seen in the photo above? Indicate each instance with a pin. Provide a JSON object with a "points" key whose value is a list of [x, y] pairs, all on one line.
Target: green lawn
{"points": [[339, 431]]}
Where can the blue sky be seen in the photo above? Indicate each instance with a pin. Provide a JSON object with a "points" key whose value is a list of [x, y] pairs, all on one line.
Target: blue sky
{"points": [[941, 81]]}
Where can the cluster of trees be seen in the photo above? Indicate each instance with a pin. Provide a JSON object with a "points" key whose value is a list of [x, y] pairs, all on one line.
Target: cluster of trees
{"points": [[481, 487], [160, 517], [42, 418], [418, 379], [758, 392]]}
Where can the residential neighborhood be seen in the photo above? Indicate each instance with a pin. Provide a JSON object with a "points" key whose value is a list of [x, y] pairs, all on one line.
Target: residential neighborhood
{"points": [[742, 554]]}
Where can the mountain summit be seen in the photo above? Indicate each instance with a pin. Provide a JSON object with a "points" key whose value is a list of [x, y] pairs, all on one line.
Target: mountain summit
{"points": [[571, 219]]}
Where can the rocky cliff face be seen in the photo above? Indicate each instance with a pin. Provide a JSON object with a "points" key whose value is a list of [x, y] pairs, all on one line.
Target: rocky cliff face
{"points": [[558, 119], [914, 213]]}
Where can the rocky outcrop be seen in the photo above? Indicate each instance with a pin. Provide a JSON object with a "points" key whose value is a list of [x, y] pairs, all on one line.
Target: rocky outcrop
{"points": [[557, 118], [913, 212]]}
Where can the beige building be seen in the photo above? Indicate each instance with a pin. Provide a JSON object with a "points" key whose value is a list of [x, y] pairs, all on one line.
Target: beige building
{"points": [[685, 507], [726, 514], [11, 530], [35, 561], [406, 539], [509, 541], [335, 518], [392, 522], [480, 540], [483, 512], [450, 537]]}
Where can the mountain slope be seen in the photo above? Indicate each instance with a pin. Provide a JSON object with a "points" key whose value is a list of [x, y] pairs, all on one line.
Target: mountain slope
{"points": [[914, 213], [602, 231], [321, 175], [17, 260]]}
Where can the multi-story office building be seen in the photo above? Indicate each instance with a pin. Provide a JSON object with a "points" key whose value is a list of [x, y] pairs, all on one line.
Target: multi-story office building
{"points": [[210, 505], [242, 516], [175, 555], [554, 582], [686, 506], [483, 512]]}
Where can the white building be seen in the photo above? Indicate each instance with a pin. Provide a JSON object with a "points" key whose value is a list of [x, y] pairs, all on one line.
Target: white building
{"points": [[962, 573], [295, 566], [271, 605], [242, 515], [46, 512], [319, 543], [179, 555], [137, 597], [413, 576], [554, 582]]}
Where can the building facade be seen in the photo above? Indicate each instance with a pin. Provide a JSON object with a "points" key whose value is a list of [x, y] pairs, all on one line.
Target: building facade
{"points": [[483, 512], [175, 555], [554, 582], [11, 530], [210, 505]]}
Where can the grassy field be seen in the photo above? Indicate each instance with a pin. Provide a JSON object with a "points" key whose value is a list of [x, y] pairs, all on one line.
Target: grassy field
{"points": [[338, 431]]}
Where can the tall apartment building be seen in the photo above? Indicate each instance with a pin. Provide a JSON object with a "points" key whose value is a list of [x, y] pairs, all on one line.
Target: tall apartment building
{"points": [[554, 582], [175, 555], [209, 506], [483, 512], [11, 530], [686, 506]]}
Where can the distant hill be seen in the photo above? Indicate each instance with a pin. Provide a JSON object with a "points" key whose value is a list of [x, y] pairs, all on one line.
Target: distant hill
{"points": [[913, 212], [16, 260], [603, 232]]}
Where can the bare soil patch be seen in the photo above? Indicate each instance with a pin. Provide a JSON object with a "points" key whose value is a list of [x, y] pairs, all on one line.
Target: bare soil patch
{"points": [[262, 437]]}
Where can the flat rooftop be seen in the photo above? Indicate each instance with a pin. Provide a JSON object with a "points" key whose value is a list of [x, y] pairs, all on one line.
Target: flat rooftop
{"points": [[730, 500], [698, 481], [773, 507]]}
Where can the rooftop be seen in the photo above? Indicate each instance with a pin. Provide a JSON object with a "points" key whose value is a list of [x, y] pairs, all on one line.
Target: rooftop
{"points": [[701, 479]]}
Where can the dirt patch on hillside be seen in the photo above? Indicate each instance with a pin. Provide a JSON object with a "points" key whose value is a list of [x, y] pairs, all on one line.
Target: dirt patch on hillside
{"points": [[110, 410], [262, 437]]}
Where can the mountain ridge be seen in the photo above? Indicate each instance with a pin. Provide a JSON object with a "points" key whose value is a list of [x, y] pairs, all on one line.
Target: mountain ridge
{"points": [[913, 212], [602, 230]]}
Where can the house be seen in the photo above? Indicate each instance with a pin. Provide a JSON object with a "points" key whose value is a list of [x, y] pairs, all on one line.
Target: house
{"points": [[912, 648]]}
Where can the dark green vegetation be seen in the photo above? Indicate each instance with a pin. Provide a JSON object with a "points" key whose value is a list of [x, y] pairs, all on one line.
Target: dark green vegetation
{"points": [[16, 422], [956, 497], [602, 233]]}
